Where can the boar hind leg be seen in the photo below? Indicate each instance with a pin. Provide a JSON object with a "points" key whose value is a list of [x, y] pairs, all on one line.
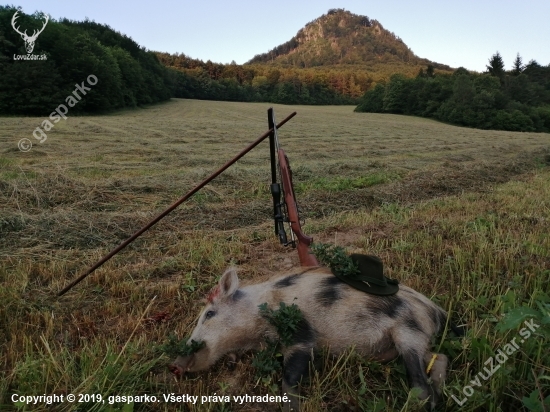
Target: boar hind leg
{"points": [[416, 373], [413, 343], [438, 371], [296, 367]]}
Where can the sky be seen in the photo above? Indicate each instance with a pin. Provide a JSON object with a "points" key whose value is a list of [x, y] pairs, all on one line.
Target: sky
{"points": [[457, 33]]}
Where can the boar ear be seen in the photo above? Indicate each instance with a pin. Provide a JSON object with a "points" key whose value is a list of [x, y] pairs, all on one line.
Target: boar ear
{"points": [[229, 282]]}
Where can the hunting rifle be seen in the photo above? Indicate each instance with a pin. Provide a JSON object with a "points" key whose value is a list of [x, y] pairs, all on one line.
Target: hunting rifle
{"points": [[285, 189], [286, 211]]}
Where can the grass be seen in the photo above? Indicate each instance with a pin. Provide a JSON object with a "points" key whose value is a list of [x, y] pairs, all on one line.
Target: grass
{"points": [[339, 184], [461, 215]]}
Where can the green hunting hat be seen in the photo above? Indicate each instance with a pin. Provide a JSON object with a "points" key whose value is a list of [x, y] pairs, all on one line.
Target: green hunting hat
{"points": [[370, 278]]}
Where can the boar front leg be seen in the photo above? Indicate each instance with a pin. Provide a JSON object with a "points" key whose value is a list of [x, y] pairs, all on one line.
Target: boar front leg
{"points": [[296, 367]]}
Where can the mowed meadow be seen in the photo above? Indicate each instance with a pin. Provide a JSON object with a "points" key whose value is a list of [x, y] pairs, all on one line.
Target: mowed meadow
{"points": [[462, 215]]}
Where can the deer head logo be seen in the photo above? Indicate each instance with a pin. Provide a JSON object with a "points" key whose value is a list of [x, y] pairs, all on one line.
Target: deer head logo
{"points": [[29, 40]]}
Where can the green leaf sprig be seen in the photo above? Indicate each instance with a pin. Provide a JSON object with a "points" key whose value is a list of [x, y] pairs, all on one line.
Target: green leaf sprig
{"points": [[286, 320], [336, 258], [176, 347]]}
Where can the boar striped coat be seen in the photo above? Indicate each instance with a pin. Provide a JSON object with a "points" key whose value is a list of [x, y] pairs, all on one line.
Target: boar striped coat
{"points": [[335, 316]]}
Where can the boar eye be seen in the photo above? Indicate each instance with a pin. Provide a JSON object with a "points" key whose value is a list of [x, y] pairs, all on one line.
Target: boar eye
{"points": [[209, 314]]}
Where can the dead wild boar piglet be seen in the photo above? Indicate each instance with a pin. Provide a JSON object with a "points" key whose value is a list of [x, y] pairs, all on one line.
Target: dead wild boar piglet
{"points": [[335, 316]]}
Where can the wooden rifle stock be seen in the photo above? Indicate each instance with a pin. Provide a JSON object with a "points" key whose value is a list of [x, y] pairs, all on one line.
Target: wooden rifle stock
{"points": [[304, 253]]}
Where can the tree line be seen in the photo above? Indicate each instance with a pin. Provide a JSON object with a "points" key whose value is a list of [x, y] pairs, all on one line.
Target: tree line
{"points": [[515, 100], [266, 83], [127, 74]]}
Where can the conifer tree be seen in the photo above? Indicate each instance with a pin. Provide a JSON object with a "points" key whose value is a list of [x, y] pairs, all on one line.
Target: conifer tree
{"points": [[496, 66], [518, 66]]}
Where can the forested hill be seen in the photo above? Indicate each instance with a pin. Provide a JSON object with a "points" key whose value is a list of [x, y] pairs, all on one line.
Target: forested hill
{"points": [[333, 60], [343, 56], [127, 74], [341, 37]]}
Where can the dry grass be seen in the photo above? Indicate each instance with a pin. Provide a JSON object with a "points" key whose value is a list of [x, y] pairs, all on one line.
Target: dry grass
{"points": [[459, 214]]}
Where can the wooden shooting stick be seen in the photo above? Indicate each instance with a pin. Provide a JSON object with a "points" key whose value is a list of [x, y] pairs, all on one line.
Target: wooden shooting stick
{"points": [[175, 205], [287, 190]]}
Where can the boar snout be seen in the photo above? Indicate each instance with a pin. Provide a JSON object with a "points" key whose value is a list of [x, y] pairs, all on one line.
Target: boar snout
{"points": [[181, 365], [176, 370]]}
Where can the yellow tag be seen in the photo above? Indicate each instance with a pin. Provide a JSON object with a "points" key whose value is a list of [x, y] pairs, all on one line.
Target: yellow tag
{"points": [[431, 364]]}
